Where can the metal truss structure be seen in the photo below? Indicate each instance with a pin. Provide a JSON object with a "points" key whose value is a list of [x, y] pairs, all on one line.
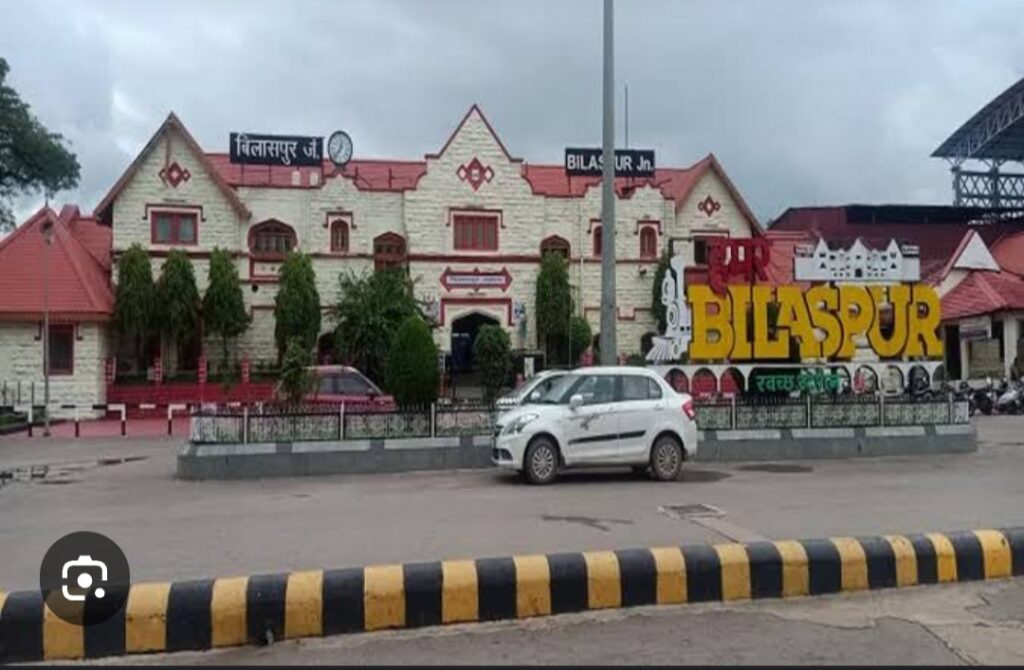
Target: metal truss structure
{"points": [[994, 136]]}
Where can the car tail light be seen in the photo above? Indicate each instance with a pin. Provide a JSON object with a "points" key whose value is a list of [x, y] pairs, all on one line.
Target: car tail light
{"points": [[688, 409]]}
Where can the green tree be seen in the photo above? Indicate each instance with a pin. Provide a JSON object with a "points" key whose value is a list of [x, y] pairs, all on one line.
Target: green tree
{"points": [[134, 298], [297, 304], [178, 298], [656, 305], [580, 335], [553, 301], [296, 376], [370, 310], [491, 355], [224, 312], [32, 159], [412, 374]]}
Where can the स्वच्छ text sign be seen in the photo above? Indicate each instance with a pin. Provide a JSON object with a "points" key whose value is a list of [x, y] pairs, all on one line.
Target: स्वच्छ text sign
{"points": [[841, 314]]}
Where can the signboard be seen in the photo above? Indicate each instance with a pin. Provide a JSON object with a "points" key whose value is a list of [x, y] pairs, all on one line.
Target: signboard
{"points": [[976, 328], [251, 149], [475, 279], [744, 258], [628, 162], [726, 321], [158, 370], [983, 359], [245, 370], [202, 370], [859, 264]]}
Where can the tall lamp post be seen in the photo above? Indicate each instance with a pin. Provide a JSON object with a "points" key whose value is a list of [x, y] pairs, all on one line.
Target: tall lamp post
{"points": [[609, 311], [48, 237]]}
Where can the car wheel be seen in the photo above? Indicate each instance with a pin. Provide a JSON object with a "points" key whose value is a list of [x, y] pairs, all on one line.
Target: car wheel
{"points": [[666, 459], [541, 463]]}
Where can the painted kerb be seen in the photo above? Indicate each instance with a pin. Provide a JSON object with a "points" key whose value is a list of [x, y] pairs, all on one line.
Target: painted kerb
{"points": [[206, 614]]}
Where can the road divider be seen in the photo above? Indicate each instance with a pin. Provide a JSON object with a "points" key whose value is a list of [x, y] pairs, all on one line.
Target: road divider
{"points": [[213, 613]]}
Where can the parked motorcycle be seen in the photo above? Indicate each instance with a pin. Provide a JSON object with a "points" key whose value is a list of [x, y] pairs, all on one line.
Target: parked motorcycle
{"points": [[1011, 400]]}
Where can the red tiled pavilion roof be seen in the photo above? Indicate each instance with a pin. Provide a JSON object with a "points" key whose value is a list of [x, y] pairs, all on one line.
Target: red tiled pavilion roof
{"points": [[79, 282], [983, 292]]}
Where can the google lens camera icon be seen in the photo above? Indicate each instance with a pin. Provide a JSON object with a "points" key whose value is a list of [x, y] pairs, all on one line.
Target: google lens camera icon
{"points": [[85, 572]]}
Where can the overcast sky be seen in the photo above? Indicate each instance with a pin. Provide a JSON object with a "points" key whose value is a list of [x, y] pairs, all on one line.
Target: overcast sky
{"points": [[803, 101]]}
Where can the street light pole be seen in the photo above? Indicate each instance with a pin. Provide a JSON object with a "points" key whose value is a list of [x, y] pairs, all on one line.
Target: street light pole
{"points": [[609, 345], [48, 238]]}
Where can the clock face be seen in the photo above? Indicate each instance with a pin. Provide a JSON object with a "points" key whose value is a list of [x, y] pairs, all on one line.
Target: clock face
{"points": [[339, 147]]}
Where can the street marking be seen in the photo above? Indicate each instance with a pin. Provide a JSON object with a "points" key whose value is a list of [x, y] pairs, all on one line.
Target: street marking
{"points": [[459, 599], [227, 612], [735, 567], [996, 550], [604, 586], [796, 577], [145, 618], [303, 604], [383, 596], [906, 560], [671, 568], [945, 557], [854, 563], [533, 585]]}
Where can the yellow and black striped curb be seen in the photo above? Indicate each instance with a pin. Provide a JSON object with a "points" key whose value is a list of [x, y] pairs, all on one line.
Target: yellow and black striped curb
{"points": [[213, 613]]}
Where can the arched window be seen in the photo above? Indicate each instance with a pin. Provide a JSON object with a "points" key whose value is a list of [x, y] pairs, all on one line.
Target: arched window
{"points": [[272, 238], [555, 245], [388, 251], [339, 236], [597, 240], [648, 242]]}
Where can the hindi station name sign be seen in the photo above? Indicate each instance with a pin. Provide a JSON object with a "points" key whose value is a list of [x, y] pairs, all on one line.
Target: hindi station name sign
{"points": [[287, 150]]}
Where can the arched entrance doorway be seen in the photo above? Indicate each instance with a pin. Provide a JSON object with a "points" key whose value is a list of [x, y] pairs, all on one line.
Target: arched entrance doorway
{"points": [[464, 332]]}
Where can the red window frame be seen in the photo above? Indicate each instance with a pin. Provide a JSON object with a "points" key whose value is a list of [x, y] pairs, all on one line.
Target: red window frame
{"points": [[277, 229], [648, 242], [175, 219], [597, 241], [61, 330], [340, 236], [475, 231]]}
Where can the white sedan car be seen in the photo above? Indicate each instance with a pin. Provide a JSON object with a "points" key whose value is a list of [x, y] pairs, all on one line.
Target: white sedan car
{"points": [[599, 416]]}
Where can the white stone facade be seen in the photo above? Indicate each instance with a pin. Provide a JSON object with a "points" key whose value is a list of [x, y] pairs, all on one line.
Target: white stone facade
{"points": [[22, 361], [422, 217]]}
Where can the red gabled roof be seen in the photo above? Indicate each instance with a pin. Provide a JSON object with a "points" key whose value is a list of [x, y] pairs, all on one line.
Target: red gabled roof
{"points": [[1009, 252], [171, 123], [78, 285], [366, 174], [490, 129], [674, 183], [983, 292]]}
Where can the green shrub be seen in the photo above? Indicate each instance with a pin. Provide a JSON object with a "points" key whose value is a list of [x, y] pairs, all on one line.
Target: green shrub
{"points": [[297, 303], [491, 354], [296, 376], [411, 373], [580, 335]]}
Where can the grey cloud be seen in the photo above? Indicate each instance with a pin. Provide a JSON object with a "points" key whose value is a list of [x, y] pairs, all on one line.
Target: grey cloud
{"points": [[803, 101]]}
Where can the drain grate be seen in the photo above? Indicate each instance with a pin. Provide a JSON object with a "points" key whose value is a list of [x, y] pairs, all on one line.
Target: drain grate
{"points": [[692, 511]]}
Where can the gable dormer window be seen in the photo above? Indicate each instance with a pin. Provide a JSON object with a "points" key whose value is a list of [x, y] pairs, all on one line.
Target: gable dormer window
{"points": [[272, 238], [168, 227]]}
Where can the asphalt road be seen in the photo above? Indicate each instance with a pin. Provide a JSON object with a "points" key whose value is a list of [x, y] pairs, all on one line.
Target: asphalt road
{"points": [[172, 529]]}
